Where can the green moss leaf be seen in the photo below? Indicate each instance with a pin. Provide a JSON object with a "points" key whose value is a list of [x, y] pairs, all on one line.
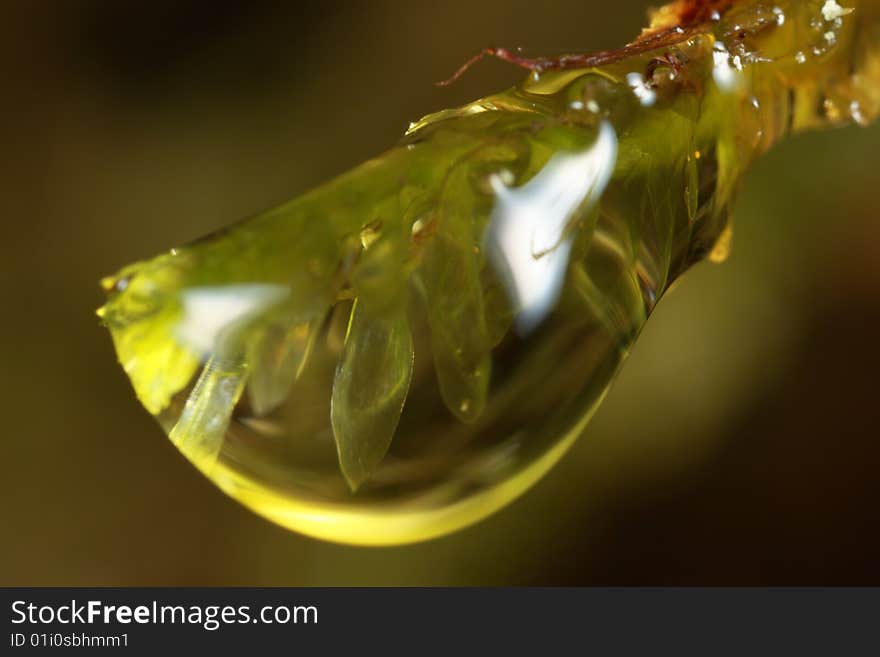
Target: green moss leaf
{"points": [[276, 358], [369, 390], [200, 431]]}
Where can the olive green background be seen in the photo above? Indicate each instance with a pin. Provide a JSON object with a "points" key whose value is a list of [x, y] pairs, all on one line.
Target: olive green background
{"points": [[739, 445]]}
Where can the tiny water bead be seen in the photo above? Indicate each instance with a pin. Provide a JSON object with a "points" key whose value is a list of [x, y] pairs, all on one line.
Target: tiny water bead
{"points": [[407, 348]]}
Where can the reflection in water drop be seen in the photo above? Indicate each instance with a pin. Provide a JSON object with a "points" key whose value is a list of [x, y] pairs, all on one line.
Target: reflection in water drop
{"points": [[831, 10], [405, 349], [526, 237], [723, 73], [210, 313], [642, 90]]}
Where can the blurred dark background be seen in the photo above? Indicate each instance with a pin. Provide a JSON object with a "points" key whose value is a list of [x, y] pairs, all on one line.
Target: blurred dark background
{"points": [[739, 445]]}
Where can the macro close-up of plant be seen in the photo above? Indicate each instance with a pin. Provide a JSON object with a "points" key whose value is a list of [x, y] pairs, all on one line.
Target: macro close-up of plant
{"points": [[444, 318], [466, 344]]}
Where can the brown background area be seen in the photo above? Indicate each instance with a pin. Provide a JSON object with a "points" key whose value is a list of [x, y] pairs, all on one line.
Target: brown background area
{"points": [[739, 445]]}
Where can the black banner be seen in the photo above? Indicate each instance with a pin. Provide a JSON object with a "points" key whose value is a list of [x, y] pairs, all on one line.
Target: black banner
{"points": [[410, 621]]}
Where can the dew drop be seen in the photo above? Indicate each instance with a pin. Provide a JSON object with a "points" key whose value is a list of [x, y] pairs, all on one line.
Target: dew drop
{"points": [[780, 15], [418, 227], [383, 382], [855, 111], [370, 233], [641, 89]]}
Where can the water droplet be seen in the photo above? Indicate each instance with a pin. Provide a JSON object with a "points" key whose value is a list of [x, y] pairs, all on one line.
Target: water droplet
{"points": [[641, 89], [403, 350], [370, 233], [780, 15], [831, 110], [417, 227], [831, 10], [722, 72], [855, 111]]}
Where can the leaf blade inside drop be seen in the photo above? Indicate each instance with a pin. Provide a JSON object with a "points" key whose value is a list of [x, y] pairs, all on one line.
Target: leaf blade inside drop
{"points": [[276, 359], [369, 389], [201, 429]]}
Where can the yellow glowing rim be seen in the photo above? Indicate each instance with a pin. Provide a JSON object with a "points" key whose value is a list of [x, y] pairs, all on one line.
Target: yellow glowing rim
{"points": [[389, 525]]}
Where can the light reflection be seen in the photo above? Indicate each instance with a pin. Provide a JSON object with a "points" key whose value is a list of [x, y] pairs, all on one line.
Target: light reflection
{"points": [[526, 238], [780, 15], [722, 72], [643, 91], [210, 312], [831, 10]]}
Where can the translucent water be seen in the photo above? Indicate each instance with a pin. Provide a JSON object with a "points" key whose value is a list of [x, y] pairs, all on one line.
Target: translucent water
{"points": [[407, 348]]}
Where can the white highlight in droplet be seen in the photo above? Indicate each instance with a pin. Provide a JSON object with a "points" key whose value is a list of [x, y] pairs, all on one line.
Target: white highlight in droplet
{"points": [[855, 111], [211, 310], [526, 239], [780, 15], [641, 89], [831, 10], [722, 72]]}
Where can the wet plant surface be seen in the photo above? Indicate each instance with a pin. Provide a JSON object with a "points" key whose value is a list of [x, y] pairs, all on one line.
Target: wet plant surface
{"points": [[407, 348]]}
